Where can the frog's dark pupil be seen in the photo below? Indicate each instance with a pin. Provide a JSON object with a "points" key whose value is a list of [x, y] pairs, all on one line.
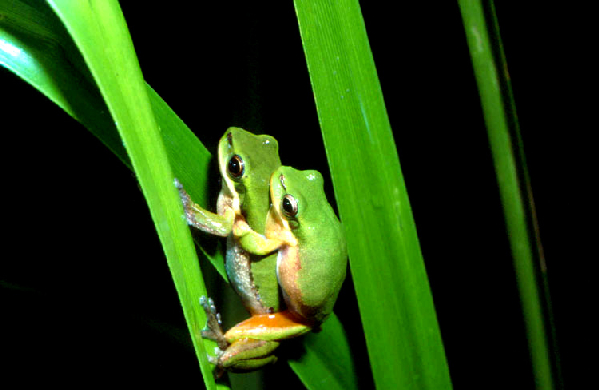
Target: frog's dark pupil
{"points": [[287, 206], [236, 166]]}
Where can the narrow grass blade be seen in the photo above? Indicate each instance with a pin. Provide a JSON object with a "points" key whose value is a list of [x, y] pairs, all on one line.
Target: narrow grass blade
{"points": [[99, 31], [482, 32], [399, 319]]}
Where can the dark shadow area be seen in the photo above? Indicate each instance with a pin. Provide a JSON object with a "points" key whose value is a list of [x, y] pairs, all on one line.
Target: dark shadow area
{"points": [[86, 248]]}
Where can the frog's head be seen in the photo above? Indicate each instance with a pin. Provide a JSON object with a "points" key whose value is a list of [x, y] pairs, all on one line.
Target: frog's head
{"points": [[297, 197], [246, 162]]}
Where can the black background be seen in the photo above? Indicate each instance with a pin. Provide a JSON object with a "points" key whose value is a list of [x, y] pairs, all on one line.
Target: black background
{"points": [[242, 64]]}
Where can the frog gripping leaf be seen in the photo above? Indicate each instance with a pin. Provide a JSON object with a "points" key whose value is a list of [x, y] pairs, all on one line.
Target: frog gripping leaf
{"points": [[283, 238], [246, 162]]}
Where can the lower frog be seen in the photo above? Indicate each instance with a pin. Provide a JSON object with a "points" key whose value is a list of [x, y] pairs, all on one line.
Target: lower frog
{"points": [[303, 229]]}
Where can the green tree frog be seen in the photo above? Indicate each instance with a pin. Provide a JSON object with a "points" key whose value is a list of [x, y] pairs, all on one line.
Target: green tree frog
{"points": [[311, 260], [297, 242], [246, 162]]}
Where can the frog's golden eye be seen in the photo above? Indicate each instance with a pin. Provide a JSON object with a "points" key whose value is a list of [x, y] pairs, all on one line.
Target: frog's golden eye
{"points": [[289, 206], [236, 166]]}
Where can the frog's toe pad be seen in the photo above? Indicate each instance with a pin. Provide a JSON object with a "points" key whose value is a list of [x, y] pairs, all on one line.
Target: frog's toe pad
{"points": [[209, 308], [214, 359], [185, 200], [212, 330]]}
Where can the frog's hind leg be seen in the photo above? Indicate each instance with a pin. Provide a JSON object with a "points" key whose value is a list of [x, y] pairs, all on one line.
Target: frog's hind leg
{"points": [[213, 329], [275, 326], [246, 355], [238, 265]]}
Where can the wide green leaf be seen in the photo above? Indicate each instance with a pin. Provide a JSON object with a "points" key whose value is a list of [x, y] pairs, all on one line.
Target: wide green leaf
{"points": [[48, 59], [394, 297]]}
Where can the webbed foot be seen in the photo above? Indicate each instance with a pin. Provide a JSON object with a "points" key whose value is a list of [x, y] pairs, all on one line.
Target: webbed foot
{"points": [[213, 329]]}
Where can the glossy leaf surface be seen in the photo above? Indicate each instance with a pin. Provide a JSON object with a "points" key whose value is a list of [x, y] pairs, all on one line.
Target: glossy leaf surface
{"points": [[386, 262]]}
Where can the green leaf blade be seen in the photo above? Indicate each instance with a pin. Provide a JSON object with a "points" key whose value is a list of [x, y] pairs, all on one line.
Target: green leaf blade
{"points": [[327, 362], [387, 268], [100, 32], [490, 69], [188, 158], [36, 47]]}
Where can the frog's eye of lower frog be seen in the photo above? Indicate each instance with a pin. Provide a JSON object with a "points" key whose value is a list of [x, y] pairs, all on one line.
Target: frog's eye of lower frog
{"points": [[289, 206], [236, 167]]}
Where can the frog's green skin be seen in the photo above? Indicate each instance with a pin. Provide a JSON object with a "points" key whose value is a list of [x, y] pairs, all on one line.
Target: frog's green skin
{"points": [[312, 258], [246, 162], [312, 268], [302, 226], [305, 251], [244, 196]]}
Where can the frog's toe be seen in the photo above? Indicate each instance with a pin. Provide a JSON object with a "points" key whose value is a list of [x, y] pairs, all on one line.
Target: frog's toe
{"points": [[185, 199], [212, 330], [209, 307], [178, 184], [214, 359]]}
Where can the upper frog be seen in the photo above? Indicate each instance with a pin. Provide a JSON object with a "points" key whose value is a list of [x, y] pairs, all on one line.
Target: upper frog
{"points": [[246, 162]]}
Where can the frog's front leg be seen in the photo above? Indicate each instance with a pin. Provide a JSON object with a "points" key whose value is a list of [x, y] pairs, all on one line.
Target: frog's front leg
{"points": [[252, 241], [217, 224], [238, 261]]}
